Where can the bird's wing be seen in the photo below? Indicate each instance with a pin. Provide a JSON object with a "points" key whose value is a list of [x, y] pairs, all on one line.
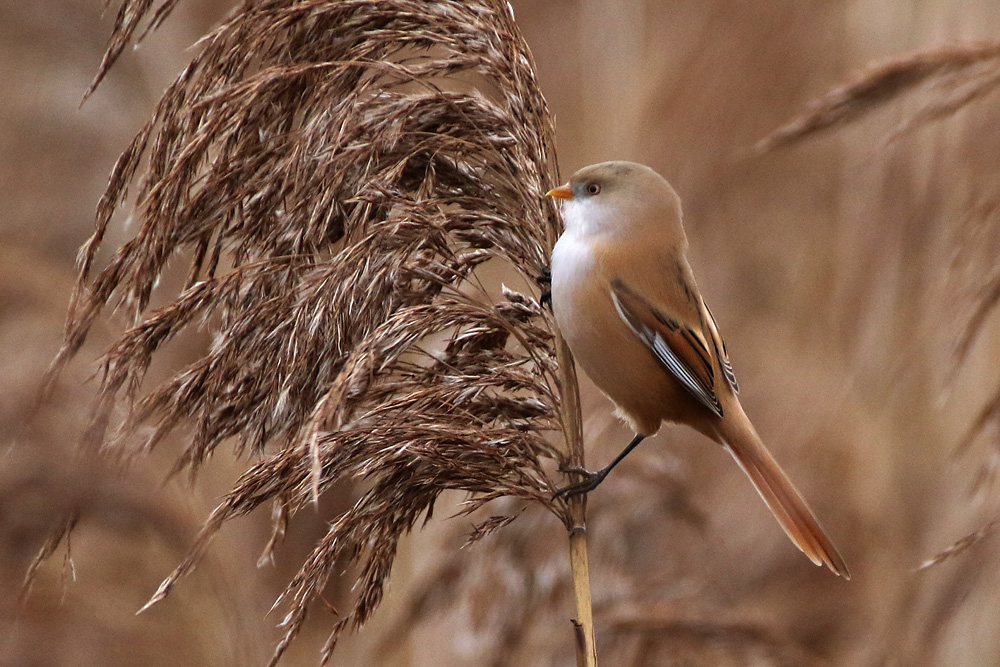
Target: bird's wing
{"points": [[720, 349], [680, 348]]}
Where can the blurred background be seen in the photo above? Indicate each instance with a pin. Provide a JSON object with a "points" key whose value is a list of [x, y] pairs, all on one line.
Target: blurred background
{"points": [[842, 272]]}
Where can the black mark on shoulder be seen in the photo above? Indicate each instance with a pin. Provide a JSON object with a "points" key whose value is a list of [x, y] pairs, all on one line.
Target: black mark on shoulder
{"points": [[682, 280]]}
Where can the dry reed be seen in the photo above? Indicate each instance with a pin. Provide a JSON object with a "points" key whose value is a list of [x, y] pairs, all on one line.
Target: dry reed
{"points": [[335, 175], [943, 81]]}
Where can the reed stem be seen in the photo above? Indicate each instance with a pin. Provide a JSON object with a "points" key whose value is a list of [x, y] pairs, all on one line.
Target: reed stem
{"points": [[586, 648]]}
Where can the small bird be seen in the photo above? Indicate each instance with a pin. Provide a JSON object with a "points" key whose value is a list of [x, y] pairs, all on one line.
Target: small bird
{"points": [[625, 300]]}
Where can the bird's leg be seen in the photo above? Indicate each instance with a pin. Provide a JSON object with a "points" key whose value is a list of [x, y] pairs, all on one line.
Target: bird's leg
{"points": [[544, 278], [591, 479]]}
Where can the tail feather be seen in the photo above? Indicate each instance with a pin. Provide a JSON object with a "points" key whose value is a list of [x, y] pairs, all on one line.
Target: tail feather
{"points": [[785, 502]]}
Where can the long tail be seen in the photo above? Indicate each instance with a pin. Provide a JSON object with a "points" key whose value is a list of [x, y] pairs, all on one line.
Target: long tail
{"points": [[782, 498]]}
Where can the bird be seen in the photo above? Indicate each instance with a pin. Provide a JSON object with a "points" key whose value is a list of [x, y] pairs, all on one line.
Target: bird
{"points": [[625, 300]]}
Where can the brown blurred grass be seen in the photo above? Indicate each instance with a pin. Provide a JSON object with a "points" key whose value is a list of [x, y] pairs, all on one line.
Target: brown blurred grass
{"points": [[830, 266]]}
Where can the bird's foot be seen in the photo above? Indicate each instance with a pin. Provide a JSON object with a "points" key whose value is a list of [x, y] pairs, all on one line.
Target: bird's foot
{"points": [[544, 278], [591, 480]]}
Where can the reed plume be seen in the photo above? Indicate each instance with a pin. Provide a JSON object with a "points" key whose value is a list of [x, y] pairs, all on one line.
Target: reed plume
{"points": [[337, 178], [938, 82]]}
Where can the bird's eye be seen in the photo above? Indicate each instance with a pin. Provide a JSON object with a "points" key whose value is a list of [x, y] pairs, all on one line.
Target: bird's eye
{"points": [[593, 189]]}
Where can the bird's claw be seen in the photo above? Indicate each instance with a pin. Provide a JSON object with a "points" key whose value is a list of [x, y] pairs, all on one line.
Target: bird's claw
{"points": [[591, 480], [544, 277]]}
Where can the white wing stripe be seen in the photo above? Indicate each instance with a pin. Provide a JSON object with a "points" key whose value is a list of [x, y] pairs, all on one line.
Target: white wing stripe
{"points": [[680, 370]]}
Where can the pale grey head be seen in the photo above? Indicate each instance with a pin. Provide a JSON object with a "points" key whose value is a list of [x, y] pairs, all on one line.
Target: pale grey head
{"points": [[612, 198]]}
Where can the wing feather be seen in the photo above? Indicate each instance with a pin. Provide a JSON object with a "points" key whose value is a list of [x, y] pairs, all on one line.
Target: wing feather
{"points": [[720, 350], [682, 350]]}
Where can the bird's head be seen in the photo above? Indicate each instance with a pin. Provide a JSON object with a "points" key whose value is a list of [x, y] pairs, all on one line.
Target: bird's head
{"points": [[614, 198]]}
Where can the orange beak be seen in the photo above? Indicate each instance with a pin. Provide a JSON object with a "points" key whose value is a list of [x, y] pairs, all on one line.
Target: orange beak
{"points": [[562, 192]]}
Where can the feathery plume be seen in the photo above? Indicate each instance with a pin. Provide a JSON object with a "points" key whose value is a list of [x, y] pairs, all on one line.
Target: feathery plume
{"points": [[336, 177]]}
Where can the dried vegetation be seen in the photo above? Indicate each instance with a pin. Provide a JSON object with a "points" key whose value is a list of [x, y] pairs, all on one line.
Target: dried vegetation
{"points": [[336, 182], [854, 274]]}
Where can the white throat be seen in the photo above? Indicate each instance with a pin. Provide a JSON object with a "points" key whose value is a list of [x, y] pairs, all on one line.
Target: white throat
{"points": [[591, 217]]}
